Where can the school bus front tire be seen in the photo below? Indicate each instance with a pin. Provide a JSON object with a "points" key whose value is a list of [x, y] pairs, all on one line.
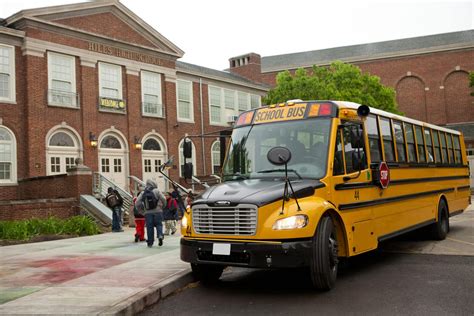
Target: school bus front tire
{"points": [[324, 260]]}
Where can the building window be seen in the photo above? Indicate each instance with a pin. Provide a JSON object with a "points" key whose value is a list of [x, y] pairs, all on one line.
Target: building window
{"points": [[62, 80], [110, 81], [229, 99], [7, 73], [216, 157], [181, 158], [151, 94], [215, 102], [62, 150], [7, 156], [254, 101], [185, 101], [243, 100], [110, 142]]}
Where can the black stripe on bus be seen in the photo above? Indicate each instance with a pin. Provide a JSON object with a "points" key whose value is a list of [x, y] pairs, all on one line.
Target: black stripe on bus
{"points": [[391, 199], [464, 187], [418, 165], [405, 230], [358, 185]]}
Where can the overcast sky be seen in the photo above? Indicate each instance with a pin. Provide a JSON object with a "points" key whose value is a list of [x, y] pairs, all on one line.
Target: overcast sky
{"points": [[212, 31]]}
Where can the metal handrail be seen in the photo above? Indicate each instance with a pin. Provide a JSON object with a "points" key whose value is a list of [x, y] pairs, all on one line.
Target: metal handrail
{"points": [[101, 184]]}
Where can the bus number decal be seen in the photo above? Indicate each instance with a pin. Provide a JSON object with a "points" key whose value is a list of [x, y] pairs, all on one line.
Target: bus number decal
{"points": [[356, 194]]}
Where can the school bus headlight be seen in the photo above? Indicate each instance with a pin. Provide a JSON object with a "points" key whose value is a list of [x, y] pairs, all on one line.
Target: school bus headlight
{"points": [[184, 221], [292, 222]]}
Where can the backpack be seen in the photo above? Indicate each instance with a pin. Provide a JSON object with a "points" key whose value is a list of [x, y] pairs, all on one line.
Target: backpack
{"points": [[149, 199], [112, 200]]}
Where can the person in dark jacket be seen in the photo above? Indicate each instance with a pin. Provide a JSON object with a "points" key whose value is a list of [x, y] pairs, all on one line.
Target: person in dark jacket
{"points": [[170, 214], [114, 201], [154, 214]]}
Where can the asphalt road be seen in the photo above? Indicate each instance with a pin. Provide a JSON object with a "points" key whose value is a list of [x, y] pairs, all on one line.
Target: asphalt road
{"points": [[375, 283]]}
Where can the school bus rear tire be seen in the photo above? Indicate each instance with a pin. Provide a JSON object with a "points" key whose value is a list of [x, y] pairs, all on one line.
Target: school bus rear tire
{"points": [[324, 261], [440, 229], [207, 273]]}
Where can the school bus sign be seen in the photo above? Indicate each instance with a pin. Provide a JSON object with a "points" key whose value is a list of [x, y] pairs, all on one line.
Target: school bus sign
{"points": [[276, 114], [384, 174]]}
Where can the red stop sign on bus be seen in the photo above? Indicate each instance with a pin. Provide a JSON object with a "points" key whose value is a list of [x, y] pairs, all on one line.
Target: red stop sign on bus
{"points": [[384, 174]]}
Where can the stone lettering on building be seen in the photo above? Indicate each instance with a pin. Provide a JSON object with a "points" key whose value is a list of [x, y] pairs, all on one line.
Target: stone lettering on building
{"points": [[122, 53]]}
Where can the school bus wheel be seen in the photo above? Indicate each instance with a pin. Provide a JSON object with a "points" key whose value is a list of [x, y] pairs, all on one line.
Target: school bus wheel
{"points": [[324, 258], [440, 229], [207, 273]]}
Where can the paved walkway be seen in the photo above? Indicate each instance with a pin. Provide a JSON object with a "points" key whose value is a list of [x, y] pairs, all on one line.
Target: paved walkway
{"points": [[103, 274]]}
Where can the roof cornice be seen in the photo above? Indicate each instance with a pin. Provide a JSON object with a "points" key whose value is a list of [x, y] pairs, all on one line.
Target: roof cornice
{"points": [[12, 32], [362, 59], [152, 35]]}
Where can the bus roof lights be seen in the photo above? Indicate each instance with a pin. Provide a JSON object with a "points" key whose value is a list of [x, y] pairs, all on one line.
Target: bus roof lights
{"points": [[325, 109]]}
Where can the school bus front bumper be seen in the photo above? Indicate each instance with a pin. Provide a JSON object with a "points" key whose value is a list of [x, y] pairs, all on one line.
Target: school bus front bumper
{"points": [[287, 254]]}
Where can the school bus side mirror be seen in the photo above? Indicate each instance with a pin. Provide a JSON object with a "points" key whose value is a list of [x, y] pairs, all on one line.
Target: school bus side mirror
{"points": [[363, 111], [187, 149], [188, 170]]}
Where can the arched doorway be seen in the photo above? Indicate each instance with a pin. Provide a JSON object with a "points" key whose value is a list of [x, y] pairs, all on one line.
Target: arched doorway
{"points": [[62, 148], [113, 159], [153, 156]]}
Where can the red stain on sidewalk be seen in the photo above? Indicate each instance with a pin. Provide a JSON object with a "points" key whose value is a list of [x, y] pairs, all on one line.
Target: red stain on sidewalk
{"points": [[64, 269]]}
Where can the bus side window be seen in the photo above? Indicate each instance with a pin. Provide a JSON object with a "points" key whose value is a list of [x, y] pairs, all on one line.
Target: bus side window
{"points": [[421, 144], [400, 139], [374, 139], [429, 144], [444, 149], [351, 153], [410, 142], [387, 139], [457, 149], [437, 148], [450, 148], [338, 160]]}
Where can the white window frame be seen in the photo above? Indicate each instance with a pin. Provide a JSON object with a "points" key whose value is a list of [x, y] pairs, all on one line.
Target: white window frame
{"points": [[191, 105], [221, 105], [181, 157], [213, 151], [234, 97], [102, 66], [72, 61], [259, 101], [158, 94], [12, 97], [13, 170], [247, 98]]}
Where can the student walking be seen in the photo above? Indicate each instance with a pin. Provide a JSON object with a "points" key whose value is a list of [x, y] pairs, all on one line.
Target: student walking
{"points": [[171, 213], [114, 201], [139, 222], [153, 201]]}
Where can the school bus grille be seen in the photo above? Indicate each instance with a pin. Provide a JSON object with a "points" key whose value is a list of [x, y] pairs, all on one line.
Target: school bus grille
{"points": [[236, 220]]}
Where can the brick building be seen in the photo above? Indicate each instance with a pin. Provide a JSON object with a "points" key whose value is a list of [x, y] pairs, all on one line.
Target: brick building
{"points": [[94, 81], [430, 74]]}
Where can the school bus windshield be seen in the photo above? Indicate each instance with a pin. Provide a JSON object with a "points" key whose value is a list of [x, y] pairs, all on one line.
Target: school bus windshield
{"points": [[306, 139]]}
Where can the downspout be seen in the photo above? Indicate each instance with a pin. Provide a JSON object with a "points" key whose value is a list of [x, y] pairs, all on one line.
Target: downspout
{"points": [[202, 129]]}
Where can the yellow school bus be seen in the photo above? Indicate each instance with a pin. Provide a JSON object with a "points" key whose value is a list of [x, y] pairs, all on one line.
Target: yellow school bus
{"points": [[305, 183]]}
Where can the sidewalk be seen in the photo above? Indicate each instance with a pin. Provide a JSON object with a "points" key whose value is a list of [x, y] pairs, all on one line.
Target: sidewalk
{"points": [[102, 274]]}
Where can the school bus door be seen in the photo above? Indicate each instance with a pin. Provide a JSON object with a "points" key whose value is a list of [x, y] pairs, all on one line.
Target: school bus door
{"points": [[352, 185]]}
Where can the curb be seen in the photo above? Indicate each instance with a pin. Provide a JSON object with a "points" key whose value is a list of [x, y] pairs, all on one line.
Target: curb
{"points": [[151, 295]]}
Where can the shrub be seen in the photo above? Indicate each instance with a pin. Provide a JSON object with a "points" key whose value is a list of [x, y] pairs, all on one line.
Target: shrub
{"points": [[25, 229]]}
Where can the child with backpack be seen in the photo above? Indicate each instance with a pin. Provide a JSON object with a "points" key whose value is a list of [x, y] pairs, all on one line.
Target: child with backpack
{"points": [[170, 214], [114, 201], [139, 222]]}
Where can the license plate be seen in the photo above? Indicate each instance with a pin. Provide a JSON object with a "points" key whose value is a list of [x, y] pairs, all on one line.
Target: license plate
{"points": [[221, 249]]}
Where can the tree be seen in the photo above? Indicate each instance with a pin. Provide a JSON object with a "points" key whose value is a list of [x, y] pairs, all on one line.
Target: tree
{"points": [[339, 81]]}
